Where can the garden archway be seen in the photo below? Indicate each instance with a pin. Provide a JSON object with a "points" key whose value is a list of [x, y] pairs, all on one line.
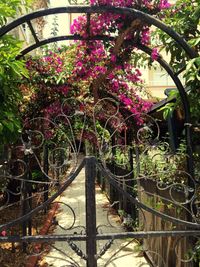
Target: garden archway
{"points": [[150, 20], [126, 11]]}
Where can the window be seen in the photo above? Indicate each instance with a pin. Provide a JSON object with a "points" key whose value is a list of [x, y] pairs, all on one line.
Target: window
{"points": [[159, 77]]}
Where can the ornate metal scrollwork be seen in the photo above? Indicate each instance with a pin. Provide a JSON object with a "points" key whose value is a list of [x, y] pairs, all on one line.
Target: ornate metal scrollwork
{"points": [[136, 163]]}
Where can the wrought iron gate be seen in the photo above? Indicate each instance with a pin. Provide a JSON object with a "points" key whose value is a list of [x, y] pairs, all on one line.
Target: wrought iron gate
{"points": [[150, 189], [147, 193]]}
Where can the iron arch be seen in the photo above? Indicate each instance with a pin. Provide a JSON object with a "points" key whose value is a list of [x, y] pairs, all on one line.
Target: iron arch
{"points": [[149, 19]]}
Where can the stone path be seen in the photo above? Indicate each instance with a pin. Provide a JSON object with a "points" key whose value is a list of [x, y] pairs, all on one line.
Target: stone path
{"points": [[120, 254]]}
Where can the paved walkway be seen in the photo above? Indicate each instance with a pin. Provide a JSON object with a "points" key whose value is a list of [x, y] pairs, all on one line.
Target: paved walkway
{"points": [[121, 253]]}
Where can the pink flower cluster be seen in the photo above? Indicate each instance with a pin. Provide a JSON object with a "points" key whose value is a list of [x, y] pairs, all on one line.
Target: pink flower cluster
{"points": [[76, 27], [90, 60], [135, 105], [62, 89], [154, 54], [90, 136], [3, 233], [54, 62], [51, 64], [145, 36], [94, 59], [162, 4], [104, 23], [124, 3], [53, 110], [98, 24]]}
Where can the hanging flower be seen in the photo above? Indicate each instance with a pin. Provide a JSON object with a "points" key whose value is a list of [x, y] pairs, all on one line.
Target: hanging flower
{"points": [[164, 4], [145, 40], [154, 54]]}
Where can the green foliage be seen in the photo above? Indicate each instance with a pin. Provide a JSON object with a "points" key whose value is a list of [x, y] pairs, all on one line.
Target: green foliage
{"points": [[102, 132], [196, 252], [127, 220], [54, 67], [192, 73], [37, 175], [160, 164], [140, 59], [184, 18], [122, 156], [9, 9], [169, 108], [11, 73]]}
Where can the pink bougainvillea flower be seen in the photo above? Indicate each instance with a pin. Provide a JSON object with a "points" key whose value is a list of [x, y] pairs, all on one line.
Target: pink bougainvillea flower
{"points": [[58, 70], [154, 54], [4, 233], [113, 58], [164, 4], [145, 40], [111, 76]]}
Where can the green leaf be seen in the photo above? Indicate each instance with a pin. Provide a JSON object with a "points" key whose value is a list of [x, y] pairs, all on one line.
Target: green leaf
{"points": [[194, 41], [190, 63], [1, 127], [9, 125]]}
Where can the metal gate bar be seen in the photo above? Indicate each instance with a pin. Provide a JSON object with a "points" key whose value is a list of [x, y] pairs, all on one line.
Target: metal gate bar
{"points": [[90, 176]]}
